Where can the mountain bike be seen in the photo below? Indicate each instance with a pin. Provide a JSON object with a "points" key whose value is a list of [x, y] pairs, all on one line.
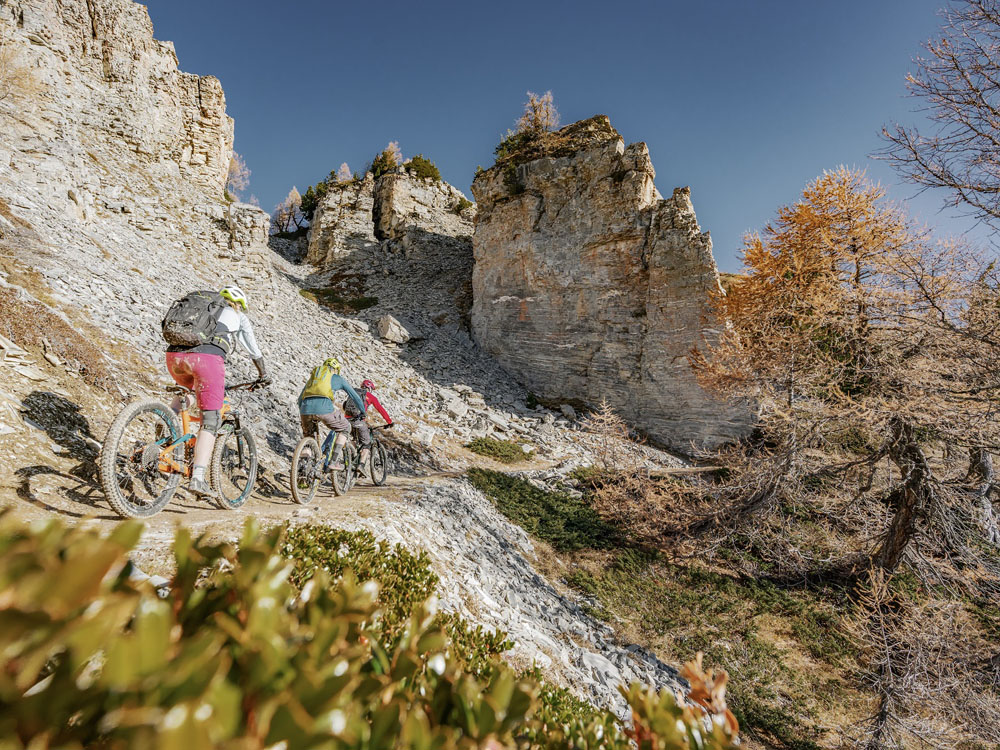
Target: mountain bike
{"points": [[310, 462], [310, 467], [149, 448]]}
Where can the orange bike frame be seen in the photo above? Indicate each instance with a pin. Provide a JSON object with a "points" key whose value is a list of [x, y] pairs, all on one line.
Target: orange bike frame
{"points": [[168, 464]]}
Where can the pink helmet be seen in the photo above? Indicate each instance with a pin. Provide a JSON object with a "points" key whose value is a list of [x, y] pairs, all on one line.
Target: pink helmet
{"points": [[368, 384]]}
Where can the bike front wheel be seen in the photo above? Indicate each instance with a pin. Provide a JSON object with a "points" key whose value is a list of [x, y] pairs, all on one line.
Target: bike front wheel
{"points": [[307, 471], [130, 461], [234, 467], [379, 464]]}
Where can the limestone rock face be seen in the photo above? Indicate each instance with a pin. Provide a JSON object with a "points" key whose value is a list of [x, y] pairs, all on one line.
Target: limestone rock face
{"points": [[407, 210], [101, 71], [588, 285], [342, 224], [404, 203], [248, 228], [377, 234]]}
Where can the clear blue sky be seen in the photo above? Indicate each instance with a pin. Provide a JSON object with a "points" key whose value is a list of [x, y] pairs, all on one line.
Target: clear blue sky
{"points": [[743, 100]]}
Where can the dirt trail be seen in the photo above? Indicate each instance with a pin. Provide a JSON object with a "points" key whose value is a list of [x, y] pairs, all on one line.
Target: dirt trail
{"points": [[44, 490]]}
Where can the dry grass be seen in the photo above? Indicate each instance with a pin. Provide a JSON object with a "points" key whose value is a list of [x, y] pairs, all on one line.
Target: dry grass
{"points": [[32, 324], [775, 560]]}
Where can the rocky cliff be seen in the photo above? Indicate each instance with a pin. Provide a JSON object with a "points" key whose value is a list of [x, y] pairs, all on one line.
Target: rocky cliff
{"points": [[100, 78], [371, 238], [588, 284]]}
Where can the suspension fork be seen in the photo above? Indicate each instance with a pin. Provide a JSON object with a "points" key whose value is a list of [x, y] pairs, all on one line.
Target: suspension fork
{"points": [[237, 429]]}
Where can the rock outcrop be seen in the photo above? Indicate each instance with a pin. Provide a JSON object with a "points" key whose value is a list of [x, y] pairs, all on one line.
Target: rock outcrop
{"points": [[342, 224], [588, 285], [406, 204], [371, 238], [411, 212]]}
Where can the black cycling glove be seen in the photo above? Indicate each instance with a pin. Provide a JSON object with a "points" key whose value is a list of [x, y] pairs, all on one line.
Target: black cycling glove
{"points": [[262, 376]]}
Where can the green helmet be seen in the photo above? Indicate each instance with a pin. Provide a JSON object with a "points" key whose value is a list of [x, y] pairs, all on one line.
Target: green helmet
{"points": [[234, 294], [333, 363]]}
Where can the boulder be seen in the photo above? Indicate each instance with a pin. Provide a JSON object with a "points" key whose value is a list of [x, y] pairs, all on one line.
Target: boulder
{"points": [[392, 330], [456, 408], [424, 435]]}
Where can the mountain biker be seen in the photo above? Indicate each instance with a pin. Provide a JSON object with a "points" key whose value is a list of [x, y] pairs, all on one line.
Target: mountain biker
{"points": [[202, 368], [357, 419], [316, 405]]}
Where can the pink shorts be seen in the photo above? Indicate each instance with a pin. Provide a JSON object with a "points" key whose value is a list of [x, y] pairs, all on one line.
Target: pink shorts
{"points": [[205, 374]]}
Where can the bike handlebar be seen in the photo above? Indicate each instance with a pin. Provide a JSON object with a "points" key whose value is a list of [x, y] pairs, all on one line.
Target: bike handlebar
{"points": [[251, 385]]}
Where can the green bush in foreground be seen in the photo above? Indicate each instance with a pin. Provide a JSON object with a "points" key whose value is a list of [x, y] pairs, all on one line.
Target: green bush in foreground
{"points": [[235, 656], [503, 451]]}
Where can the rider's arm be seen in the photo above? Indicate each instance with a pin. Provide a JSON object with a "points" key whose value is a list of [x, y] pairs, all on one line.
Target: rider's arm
{"points": [[346, 388], [370, 398], [247, 339]]}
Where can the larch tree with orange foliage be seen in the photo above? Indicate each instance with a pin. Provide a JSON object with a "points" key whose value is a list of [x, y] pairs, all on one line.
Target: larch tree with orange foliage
{"points": [[849, 320]]}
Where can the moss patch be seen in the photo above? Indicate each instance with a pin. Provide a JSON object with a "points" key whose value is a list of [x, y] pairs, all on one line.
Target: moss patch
{"points": [[565, 522], [502, 450]]}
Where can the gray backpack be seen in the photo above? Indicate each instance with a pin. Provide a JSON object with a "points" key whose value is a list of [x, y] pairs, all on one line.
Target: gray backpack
{"points": [[193, 319]]}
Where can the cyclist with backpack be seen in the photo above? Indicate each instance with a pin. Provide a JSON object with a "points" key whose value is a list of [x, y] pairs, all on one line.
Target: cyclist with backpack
{"points": [[316, 404], [201, 329], [357, 419]]}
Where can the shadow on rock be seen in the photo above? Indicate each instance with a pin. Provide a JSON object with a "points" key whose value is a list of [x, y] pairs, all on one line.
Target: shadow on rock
{"points": [[62, 420], [84, 493], [279, 444]]}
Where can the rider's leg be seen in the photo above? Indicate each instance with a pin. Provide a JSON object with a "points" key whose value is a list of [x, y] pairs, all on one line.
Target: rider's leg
{"points": [[365, 439], [210, 387], [205, 443], [179, 370], [338, 424]]}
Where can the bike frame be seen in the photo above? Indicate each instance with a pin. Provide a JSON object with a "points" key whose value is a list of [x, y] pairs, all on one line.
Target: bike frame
{"points": [[168, 463], [331, 437]]}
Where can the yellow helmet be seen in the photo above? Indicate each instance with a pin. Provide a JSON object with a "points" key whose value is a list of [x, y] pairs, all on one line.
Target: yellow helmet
{"points": [[333, 363]]}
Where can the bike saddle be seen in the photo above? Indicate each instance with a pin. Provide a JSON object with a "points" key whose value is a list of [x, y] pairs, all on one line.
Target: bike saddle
{"points": [[178, 389]]}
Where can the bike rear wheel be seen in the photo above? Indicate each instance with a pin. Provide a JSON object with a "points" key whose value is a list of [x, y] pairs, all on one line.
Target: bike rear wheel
{"points": [[343, 480], [234, 467], [379, 463], [130, 459], [307, 471]]}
